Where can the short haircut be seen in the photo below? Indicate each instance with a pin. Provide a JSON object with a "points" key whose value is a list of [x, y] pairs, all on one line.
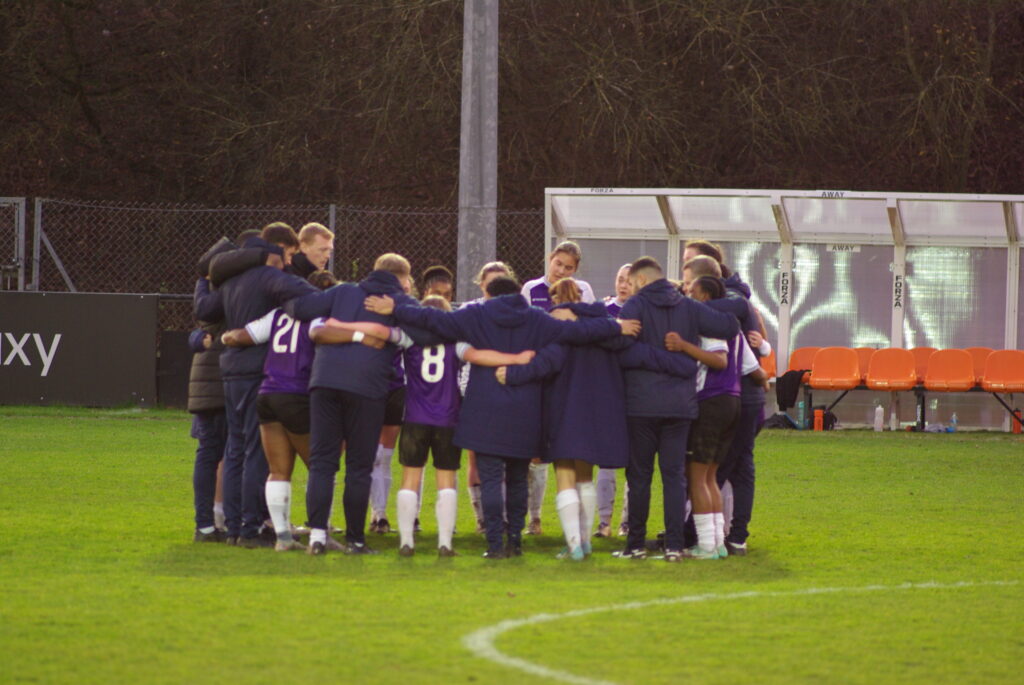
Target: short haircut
{"points": [[709, 249], [437, 273], [245, 235], [280, 233], [703, 265], [494, 268], [503, 285], [565, 290], [311, 231], [437, 302], [322, 279], [646, 265], [393, 263], [567, 247], [712, 285]]}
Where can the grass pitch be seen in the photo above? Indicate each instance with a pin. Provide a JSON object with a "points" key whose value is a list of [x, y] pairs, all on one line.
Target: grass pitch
{"points": [[99, 581]]}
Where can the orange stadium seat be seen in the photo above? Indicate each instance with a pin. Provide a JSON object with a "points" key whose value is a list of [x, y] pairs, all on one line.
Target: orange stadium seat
{"points": [[802, 358], [950, 371], [1004, 372], [835, 368], [892, 369], [921, 357], [979, 355], [864, 355], [768, 365]]}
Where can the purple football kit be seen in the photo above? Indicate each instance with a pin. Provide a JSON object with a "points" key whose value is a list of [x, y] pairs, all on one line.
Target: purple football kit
{"points": [[289, 360], [432, 385]]}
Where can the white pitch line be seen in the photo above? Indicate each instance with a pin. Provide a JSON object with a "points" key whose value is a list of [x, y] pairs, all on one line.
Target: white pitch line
{"points": [[481, 642]]}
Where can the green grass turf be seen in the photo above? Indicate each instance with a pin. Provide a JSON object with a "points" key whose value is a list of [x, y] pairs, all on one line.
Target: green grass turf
{"points": [[99, 581]]}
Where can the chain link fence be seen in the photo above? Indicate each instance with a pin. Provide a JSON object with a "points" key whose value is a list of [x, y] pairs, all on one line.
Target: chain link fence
{"points": [[114, 247], [12, 238]]}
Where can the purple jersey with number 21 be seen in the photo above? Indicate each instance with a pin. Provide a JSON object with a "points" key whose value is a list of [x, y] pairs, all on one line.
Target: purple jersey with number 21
{"points": [[432, 385], [289, 357]]}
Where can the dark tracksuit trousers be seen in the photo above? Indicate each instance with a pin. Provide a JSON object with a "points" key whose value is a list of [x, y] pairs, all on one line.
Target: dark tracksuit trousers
{"points": [[738, 469], [336, 417], [245, 465], [511, 475], [210, 429], [666, 437]]}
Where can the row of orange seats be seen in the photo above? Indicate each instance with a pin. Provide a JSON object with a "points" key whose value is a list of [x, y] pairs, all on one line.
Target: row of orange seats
{"points": [[844, 368]]}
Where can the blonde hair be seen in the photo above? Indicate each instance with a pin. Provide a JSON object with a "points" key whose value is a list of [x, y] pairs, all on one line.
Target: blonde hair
{"points": [[494, 267], [310, 231], [565, 290], [570, 248], [437, 302], [703, 265], [393, 263]]}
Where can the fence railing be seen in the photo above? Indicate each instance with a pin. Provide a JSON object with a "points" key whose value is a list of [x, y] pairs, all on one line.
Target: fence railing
{"points": [[119, 247]]}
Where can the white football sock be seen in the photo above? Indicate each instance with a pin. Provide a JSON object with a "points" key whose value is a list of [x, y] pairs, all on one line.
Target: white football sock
{"points": [[380, 483], [705, 531], [538, 482], [419, 493], [567, 502], [728, 502], [588, 509], [279, 495], [447, 502], [405, 504], [317, 535], [719, 529]]}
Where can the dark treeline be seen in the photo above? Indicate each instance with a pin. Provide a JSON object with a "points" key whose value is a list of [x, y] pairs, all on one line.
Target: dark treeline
{"points": [[284, 101]]}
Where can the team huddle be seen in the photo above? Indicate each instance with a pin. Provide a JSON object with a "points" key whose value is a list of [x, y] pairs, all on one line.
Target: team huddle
{"points": [[290, 362]]}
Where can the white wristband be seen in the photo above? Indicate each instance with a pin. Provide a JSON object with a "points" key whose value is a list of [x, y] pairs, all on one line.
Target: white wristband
{"points": [[358, 336]]}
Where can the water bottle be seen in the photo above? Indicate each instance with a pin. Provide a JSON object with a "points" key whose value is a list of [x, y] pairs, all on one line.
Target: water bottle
{"points": [[879, 418], [953, 423], [801, 415], [894, 421]]}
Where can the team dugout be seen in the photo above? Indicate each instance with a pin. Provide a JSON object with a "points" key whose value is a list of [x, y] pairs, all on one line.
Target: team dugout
{"points": [[830, 267]]}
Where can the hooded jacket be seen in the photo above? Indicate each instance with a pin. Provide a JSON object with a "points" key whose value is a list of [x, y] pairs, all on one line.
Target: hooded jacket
{"points": [[585, 398], [737, 303], [241, 299], [352, 367], [300, 266], [498, 419], [661, 309]]}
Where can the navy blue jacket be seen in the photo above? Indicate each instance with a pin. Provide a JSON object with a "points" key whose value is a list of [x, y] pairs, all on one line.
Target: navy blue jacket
{"points": [[585, 402], [352, 367], [501, 419], [241, 299], [661, 308], [737, 303]]}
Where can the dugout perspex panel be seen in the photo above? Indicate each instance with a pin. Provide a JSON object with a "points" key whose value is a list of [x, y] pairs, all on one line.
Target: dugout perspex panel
{"points": [[826, 267], [80, 349]]}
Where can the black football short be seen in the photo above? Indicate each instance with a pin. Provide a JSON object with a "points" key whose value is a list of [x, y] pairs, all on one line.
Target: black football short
{"points": [[711, 435], [288, 409], [394, 410], [418, 439]]}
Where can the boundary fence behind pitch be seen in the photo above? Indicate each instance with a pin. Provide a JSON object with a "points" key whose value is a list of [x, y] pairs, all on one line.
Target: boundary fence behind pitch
{"points": [[119, 247]]}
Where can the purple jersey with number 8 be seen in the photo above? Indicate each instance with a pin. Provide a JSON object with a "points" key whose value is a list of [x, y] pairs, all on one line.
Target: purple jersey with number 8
{"points": [[432, 385]]}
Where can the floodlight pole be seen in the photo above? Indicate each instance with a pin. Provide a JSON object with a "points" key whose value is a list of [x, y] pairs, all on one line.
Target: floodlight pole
{"points": [[478, 144]]}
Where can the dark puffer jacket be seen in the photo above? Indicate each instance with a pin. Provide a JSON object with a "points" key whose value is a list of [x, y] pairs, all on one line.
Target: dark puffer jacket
{"points": [[205, 386]]}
